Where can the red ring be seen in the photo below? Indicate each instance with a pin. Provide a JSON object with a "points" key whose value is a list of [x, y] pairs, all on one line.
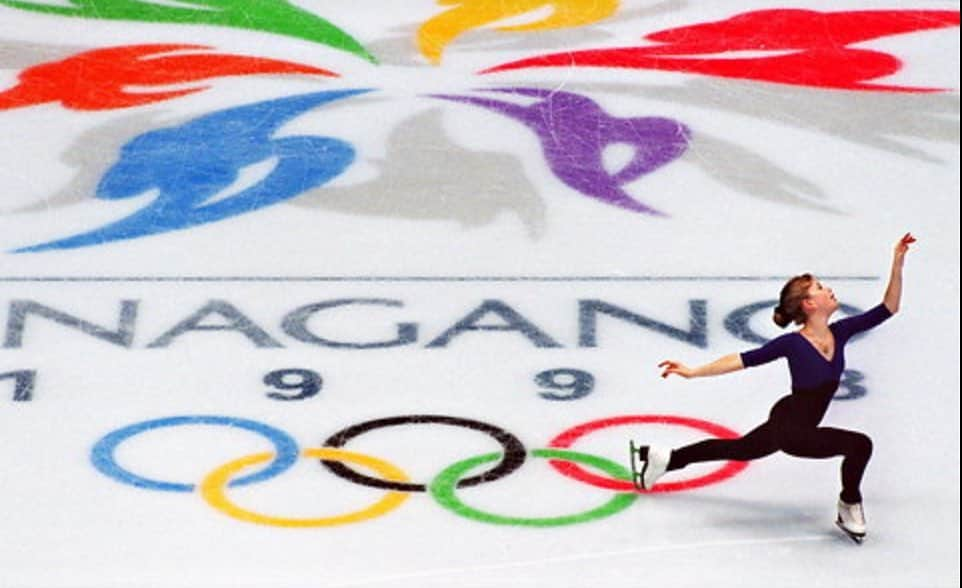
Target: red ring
{"points": [[567, 438]]}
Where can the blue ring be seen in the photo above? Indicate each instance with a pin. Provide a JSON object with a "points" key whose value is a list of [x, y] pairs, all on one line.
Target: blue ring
{"points": [[102, 454]]}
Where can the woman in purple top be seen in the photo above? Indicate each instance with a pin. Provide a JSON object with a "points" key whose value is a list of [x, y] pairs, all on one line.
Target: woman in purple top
{"points": [[816, 359]]}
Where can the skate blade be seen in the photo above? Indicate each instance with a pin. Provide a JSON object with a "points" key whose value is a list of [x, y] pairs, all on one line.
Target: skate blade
{"points": [[856, 537], [637, 472]]}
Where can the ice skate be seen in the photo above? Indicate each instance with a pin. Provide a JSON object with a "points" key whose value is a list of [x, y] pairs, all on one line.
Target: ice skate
{"points": [[647, 464], [851, 520]]}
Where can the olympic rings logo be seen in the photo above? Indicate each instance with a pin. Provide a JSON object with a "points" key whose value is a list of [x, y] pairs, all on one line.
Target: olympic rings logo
{"points": [[472, 471]]}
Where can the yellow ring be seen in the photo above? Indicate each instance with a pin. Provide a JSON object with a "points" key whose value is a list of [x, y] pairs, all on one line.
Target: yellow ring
{"points": [[214, 485]]}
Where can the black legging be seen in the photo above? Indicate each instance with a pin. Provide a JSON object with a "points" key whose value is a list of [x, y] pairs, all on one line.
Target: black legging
{"points": [[792, 427]]}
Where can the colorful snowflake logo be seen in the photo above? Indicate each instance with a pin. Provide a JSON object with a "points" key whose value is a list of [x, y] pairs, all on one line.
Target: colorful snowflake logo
{"points": [[190, 167]]}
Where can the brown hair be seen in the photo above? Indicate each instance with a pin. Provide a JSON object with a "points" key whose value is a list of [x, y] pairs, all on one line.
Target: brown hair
{"points": [[789, 309]]}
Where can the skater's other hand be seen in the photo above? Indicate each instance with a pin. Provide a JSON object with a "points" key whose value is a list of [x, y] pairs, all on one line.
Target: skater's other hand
{"points": [[675, 367]]}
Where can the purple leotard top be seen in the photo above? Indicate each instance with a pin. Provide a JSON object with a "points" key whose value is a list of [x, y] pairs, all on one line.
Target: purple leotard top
{"points": [[809, 368]]}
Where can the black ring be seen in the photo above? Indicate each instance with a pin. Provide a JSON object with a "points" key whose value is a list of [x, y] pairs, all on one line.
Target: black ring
{"points": [[514, 451]]}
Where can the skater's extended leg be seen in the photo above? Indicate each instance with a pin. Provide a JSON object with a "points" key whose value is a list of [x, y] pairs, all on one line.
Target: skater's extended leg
{"points": [[759, 442]]}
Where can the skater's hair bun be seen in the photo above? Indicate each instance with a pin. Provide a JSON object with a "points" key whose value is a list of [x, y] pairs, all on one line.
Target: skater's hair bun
{"points": [[779, 317], [789, 309]]}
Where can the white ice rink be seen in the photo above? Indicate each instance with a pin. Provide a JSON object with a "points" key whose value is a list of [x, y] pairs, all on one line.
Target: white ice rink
{"points": [[293, 230]]}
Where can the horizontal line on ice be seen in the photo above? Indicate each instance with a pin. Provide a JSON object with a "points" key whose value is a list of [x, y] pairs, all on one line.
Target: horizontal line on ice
{"points": [[543, 279]]}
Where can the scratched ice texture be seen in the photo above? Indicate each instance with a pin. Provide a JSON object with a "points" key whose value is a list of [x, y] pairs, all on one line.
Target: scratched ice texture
{"points": [[438, 241]]}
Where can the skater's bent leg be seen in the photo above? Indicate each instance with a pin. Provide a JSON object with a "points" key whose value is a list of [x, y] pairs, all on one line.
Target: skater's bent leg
{"points": [[853, 466], [757, 443], [823, 442]]}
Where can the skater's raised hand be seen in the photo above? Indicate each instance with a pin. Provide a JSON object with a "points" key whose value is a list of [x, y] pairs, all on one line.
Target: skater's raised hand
{"points": [[893, 292], [675, 367], [902, 247]]}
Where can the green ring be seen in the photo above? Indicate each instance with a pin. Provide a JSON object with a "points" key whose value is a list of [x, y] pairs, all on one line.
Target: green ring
{"points": [[443, 489]]}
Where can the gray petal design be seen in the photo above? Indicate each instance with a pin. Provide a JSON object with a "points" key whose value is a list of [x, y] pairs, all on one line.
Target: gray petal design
{"points": [[92, 154], [14, 55], [427, 176], [749, 173]]}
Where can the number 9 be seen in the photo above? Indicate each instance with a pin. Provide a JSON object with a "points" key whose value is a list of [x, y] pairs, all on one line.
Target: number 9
{"points": [[577, 383], [307, 381]]}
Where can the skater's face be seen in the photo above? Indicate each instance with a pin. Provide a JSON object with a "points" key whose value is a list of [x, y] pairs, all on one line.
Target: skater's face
{"points": [[820, 299]]}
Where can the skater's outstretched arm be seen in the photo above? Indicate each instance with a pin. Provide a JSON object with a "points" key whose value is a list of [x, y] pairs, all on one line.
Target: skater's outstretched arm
{"points": [[722, 365], [849, 326], [893, 293]]}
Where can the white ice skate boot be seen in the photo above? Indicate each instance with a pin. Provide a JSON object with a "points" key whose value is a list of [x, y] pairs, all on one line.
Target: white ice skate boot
{"points": [[655, 466], [851, 520]]}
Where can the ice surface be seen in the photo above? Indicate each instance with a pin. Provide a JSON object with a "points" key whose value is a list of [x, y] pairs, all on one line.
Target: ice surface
{"points": [[263, 243]]}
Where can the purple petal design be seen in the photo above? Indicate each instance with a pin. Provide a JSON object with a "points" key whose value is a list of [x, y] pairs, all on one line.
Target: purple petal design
{"points": [[574, 132]]}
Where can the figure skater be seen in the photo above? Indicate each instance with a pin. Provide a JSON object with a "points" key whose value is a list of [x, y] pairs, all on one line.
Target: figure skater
{"points": [[816, 359]]}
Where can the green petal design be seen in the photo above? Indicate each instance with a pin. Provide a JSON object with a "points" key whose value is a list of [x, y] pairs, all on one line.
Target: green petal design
{"points": [[272, 16]]}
